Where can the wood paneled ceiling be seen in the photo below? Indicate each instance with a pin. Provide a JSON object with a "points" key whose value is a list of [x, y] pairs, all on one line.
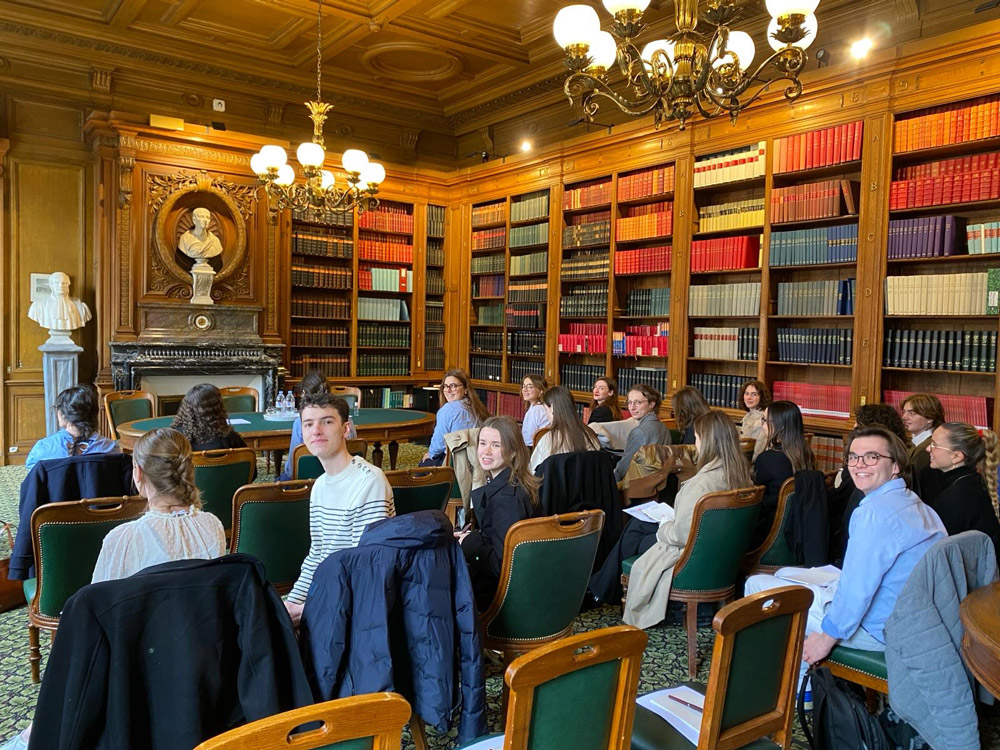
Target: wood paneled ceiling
{"points": [[432, 70]]}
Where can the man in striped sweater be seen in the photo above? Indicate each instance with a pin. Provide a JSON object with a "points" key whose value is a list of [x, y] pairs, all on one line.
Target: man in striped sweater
{"points": [[349, 495]]}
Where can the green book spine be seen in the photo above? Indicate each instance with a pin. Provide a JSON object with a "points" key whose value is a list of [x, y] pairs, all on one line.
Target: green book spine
{"points": [[993, 292]]}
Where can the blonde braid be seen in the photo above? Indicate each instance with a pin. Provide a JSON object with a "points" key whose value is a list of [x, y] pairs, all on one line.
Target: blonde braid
{"points": [[991, 461]]}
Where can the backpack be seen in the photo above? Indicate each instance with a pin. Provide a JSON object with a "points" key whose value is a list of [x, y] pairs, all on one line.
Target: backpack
{"points": [[840, 720]]}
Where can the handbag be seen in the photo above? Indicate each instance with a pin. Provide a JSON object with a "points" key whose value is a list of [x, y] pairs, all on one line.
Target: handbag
{"points": [[11, 592]]}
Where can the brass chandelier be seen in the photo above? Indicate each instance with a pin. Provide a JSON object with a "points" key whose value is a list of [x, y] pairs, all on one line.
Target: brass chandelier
{"points": [[687, 73], [320, 189]]}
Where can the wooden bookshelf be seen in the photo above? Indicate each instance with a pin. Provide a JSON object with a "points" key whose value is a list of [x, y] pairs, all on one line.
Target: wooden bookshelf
{"points": [[434, 289]]}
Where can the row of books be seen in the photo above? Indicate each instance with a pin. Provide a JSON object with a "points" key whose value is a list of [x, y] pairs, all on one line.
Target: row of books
{"points": [[518, 369], [590, 193], [490, 315], [524, 315], [526, 342], [732, 300], [930, 237], [383, 365], [321, 278], [983, 239], [337, 218], [386, 398], [387, 250], [385, 279], [489, 239], [388, 217], [645, 260], [742, 214], [528, 291], [816, 399], [435, 223], [434, 339], [742, 163], [590, 233], [487, 286], [487, 341], [331, 365], [492, 213], [974, 410], [325, 244], [722, 391], [434, 358], [726, 343], [521, 265], [654, 377], [491, 263], [815, 200], [804, 247], [646, 183], [826, 297], [511, 405], [435, 252], [645, 222], [966, 351], [530, 207], [818, 148], [377, 308], [433, 311], [828, 452], [329, 308], [645, 302], [824, 346], [585, 301], [581, 377], [953, 123], [625, 344], [486, 368], [964, 187], [943, 294], [434, 282], [376, 334], [585, 338], [533, 234], [320, 336], [944, 167], [725, 253], [582, 265]]}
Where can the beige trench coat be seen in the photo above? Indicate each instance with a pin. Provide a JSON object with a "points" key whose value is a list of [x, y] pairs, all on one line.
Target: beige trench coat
{"points": [[464, 460], [652, 574]]}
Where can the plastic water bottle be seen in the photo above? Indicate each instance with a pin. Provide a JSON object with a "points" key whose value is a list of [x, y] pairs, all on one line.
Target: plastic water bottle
{"points": [[279, 403], [289, 402]]}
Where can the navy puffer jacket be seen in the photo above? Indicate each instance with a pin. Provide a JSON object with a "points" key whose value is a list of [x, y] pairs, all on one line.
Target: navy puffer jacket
{"points": [[396, 613]]}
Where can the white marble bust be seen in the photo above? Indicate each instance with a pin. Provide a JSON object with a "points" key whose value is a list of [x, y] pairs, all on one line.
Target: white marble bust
{"points": [[199, 242], [58, 311]]}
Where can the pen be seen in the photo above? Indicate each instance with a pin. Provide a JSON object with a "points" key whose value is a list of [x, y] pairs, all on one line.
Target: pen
{"points": [[685, 703]]}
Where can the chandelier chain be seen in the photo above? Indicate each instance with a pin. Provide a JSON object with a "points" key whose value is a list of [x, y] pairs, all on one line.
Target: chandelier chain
{"points": [[319, 49]]}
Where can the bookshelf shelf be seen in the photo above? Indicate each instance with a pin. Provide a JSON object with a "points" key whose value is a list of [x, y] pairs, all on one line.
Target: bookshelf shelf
{"points": [[810, 317], [938, 372], [367, 292], [824, 221], [489, 225], [721, 359], [324, 348], [943, 208], [754, 228], [832, 170], [814, 266], [639, 274], [588, 209], [646, 199], [731, 186], [964, 258], [394, 232], [529, 248], [529, 222], [721, 317], [584, 317], [943, 152], [535, 357], [726, 272], [658, 357], [483, 299], [318, 317], [387, 348], [778, 363], [942, 317], [528, 275], [642, 240]]}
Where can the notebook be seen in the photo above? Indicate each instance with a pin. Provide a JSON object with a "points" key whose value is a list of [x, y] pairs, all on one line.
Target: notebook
{"points": [[685, 720]]}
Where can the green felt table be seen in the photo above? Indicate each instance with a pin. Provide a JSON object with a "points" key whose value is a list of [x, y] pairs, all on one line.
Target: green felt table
{"points": [[377, 426]]}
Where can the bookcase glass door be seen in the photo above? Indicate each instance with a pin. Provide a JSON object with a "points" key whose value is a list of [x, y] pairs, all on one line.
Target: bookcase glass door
{"points": [[434, 290], [489, 284], [527, 294]]}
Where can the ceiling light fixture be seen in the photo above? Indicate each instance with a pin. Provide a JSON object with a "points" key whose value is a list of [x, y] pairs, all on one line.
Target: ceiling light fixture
{"points": [[673, 78], [526, 145], [861, 48], [320, 189]]}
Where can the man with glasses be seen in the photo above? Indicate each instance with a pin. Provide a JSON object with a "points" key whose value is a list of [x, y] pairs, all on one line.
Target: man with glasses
{"points": [[889, 532]]}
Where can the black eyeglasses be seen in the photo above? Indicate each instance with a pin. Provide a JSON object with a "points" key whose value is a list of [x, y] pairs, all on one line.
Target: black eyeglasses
{"points": [[866, 459]]}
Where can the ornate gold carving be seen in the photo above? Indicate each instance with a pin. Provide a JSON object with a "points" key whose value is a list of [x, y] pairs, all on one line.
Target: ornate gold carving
{"points": [[272, 274], [408, 139], [100, 80], [126, 164], [275, 113], [125, 262], [180, 149]]}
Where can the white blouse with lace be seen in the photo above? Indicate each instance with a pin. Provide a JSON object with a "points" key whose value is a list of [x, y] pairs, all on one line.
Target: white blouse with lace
{"points": [[159, 537]]}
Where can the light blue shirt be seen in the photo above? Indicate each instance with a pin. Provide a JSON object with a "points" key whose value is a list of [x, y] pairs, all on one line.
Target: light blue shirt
{"points": [[58, 444], [297, 440], [454, 415], [534, 419], [889, 532]]}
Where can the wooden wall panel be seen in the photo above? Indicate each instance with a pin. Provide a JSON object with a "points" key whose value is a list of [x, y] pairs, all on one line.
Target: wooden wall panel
{"points": [[25, 405]]}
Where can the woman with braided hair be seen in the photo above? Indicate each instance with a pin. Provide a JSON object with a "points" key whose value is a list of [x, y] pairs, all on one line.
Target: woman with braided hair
{"points": [[174, 526], [968, 459]]}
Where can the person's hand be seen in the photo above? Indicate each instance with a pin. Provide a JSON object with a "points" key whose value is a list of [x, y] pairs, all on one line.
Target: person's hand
{"points": [[425, 457], [817, 647], [294, 611], [460, 536]]}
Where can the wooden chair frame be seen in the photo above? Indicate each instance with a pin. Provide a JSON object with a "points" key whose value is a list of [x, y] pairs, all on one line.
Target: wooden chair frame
{"points": [[567, 655], [381, 716], [355, 446], [226, 457], [345, 390], [422, 476], [864, 679], [752, 564], [242, 390], [124, 396], [538, 435], [748, 444], [79, 513]]}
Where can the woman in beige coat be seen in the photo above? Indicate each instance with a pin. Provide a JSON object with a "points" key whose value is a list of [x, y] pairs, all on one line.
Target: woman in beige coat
{"points": [[720, 466]]}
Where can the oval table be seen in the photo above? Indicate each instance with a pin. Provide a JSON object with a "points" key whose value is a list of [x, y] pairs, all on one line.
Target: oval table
{"points": [[980, 613], [377, 426]]}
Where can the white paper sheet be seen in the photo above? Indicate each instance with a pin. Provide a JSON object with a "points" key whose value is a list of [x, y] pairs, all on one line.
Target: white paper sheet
{"points": [[652, 512], [685, 720], [822, 577], [237, 420]]}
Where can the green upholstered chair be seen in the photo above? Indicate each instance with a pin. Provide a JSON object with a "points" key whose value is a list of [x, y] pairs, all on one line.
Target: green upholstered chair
{"points": [[271, 522], [758, 648], [865, 668], [675, 436], [239, 399], [426, 488], [67, 541], [578, 692], [218, 474], [373, 721], [774, 552], [546, 570], [128, 406], [306, 466]]}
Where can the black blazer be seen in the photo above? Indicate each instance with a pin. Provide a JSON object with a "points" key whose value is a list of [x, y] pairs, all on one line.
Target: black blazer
{"points": [[771, 468], [965, 505], [498, 505], [223, 442], [601, 414]]}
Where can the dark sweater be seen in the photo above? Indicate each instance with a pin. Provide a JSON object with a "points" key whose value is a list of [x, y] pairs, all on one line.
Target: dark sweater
{"points": [[601, 414], [964, 504], [222, 442], [770, 469]]}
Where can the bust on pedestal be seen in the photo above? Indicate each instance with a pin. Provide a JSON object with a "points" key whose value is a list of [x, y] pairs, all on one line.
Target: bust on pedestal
{"points": [[199, 243], [61, 314]]}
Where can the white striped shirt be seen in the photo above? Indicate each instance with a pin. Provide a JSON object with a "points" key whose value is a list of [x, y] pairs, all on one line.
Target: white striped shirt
{"points": [[340, 507]]}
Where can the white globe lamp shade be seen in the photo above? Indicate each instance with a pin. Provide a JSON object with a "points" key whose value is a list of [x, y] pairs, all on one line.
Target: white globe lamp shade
{"points": [[310, 154], [372, 174], [327, 179], [603, 50], [650, 49], [273, 157], [615, 6], [354, 160], [257, 164], [286, 175], [778, 8], [810, 26], [742, 46], [575, 24]]}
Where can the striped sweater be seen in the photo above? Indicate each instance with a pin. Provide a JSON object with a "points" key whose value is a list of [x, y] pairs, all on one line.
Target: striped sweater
{"points": [[340, 507]]}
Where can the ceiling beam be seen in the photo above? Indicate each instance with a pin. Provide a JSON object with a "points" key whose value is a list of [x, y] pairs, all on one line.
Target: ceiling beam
{"points": [[124, 12], [442, 9], [179, 12]]}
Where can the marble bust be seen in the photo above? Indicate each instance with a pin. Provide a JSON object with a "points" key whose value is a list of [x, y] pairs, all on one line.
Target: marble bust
{"points": [[58, 311], [199, 242]]}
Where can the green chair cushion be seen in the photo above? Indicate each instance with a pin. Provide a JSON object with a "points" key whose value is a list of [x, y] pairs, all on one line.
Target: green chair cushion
{"points": [[478, 740], [309, 467], [277, 534], [651, 732], [129, 409], [573, 711], [218, 484], [427, 497], [627, 565], [676, 436], [362, 743], [869, 662], [29, 587], [758, 657], [722, 541], [239, 404], [779, 553]]}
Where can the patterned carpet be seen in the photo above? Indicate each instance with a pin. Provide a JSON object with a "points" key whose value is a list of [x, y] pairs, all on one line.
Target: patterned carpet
{"points": [[665, 660]]}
